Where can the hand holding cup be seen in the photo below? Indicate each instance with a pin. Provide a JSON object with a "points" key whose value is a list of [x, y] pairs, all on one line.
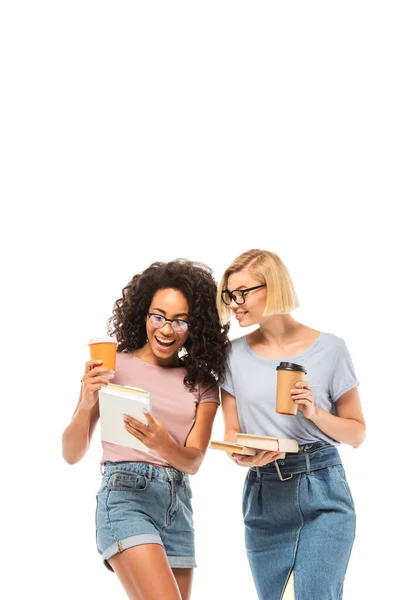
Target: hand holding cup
{"points": [[289, 375], [95, 377], [303, 396], [103, 351]]}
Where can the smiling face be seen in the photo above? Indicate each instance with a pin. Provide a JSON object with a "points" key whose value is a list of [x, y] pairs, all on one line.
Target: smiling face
{"points": [[163, 342], [249, 313]]}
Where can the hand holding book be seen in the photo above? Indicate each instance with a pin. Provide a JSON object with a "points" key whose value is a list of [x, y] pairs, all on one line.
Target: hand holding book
{"points": [[256, 450], [153, 435], [262, 458], [116, 402]]}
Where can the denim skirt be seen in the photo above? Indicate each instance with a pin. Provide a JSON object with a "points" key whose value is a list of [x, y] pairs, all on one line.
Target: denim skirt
{"points": [[139, 503], [299, 515]]}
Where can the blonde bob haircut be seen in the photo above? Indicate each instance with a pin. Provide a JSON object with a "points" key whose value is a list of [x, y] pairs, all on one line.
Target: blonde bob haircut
{"points": [[266, 267]]}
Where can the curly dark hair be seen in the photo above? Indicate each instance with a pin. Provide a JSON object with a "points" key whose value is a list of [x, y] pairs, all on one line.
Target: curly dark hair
{"points": [[204, 352]]}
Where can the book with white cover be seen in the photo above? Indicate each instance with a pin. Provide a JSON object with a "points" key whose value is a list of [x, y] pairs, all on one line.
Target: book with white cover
{"points": [[115, 401]]}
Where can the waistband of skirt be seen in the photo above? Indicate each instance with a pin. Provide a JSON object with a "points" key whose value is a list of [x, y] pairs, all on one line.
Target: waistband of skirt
{"points": [[146, 470], [310, 458]]}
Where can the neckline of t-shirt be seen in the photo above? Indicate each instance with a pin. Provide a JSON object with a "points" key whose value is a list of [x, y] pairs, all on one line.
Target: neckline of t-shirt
{"points": [[274, 362], [144, 362]]}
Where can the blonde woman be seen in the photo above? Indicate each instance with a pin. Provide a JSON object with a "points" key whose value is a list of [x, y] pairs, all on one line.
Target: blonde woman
{"points": [[298, 511]]}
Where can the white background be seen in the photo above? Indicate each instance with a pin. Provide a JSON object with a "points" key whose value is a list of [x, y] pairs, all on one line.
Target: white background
{"points": [[134, 132]]}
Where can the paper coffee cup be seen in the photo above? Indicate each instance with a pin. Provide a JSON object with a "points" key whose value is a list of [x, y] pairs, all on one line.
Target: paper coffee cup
{"points": [[104, 349], [288, 375]]}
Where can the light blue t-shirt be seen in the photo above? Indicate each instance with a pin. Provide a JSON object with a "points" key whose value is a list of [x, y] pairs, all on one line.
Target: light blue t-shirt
{"points": [[252, 380]]}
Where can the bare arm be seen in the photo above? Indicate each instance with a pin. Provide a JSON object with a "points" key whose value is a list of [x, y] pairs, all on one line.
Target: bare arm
{"points": [[76, 438], [347, 426], [232, 427], [197, 441], [231, 418], [186, 458]]}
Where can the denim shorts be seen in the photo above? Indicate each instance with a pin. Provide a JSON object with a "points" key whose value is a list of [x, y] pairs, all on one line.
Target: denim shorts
{"points": [[299, 515], [139, 503]]}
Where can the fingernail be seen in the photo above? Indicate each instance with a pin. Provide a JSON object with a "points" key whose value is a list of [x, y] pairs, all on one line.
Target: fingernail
{"points": [[145, 411], [109, 375], [98, 362]]}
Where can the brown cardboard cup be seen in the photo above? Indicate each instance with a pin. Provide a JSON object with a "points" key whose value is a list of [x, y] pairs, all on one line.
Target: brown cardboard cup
{"points": [[288, 375]]}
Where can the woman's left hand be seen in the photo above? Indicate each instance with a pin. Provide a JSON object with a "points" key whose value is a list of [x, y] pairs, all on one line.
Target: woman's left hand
{"points": [[303, 396], [153, 435]]}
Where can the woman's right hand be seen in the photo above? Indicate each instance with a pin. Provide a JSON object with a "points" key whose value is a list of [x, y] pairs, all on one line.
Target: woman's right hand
{"points": [[258, 460], [95, 377]]}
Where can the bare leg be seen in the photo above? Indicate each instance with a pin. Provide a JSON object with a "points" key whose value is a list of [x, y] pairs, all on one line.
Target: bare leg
{"points": [[288, 594], [145, 573], [184, 579]]}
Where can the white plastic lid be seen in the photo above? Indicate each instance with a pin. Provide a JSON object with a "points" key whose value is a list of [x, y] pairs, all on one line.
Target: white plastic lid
{"points": [[101, 340]]}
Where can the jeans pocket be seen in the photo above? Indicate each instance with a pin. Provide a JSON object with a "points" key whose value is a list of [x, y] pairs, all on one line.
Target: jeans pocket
{"points": [[341, 475], [246, 488], [123, 482], [103, 485], [251, 485], [95, 521], [188, 490]]}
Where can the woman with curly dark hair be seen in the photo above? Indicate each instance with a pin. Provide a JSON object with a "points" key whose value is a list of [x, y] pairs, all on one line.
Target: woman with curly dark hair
{"points": [[171, 343]]}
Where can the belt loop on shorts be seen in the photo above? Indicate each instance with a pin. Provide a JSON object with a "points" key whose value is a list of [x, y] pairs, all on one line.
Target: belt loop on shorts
{"points": [[258, 471], [102, 468], [150, 471], [307, 457]]}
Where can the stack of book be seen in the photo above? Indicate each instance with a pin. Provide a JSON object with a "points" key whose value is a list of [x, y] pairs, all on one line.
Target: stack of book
{"points": [[250, 444]]}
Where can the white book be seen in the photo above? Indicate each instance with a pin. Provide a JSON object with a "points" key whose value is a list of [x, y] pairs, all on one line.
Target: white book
{"points": [[115, 401]]}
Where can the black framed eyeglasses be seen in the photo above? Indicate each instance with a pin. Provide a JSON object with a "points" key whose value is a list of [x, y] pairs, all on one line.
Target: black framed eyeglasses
{"points": [[158, 321], [238, 296]]}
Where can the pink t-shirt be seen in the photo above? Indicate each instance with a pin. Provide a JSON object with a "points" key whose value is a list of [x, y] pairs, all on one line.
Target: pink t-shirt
{"points": [[172, 404]]}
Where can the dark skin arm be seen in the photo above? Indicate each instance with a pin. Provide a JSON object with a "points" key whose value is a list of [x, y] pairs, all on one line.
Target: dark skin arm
{"points": [[186, 458], [76, 438]]}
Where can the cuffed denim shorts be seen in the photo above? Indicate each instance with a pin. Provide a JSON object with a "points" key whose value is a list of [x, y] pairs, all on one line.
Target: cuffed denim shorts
{"points": [[299, 515], [139, 503]]}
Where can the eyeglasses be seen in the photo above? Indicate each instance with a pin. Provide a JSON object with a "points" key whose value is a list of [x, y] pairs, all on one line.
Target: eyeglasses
{"points": [[159, 321], [238, 296]]}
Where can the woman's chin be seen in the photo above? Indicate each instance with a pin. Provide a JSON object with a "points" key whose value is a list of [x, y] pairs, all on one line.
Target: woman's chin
{"points": [[163, 354], [246, 322]]}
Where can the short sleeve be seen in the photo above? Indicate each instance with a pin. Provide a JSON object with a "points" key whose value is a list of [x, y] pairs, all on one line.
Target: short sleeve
{"points": [[227, 385], [343, 375], [209, 394]]}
